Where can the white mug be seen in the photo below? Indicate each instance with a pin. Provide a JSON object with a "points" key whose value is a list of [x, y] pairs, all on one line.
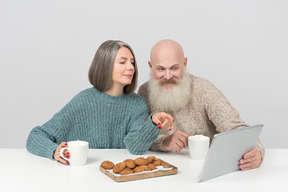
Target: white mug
{"points": [[198, 146], [78, 152]]}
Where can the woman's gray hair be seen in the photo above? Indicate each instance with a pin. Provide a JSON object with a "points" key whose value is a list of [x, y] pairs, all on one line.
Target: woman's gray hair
{"points": [[101, 69]]}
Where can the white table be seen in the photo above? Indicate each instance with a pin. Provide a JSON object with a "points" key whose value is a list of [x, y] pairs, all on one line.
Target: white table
{"points": [[22, 171]]}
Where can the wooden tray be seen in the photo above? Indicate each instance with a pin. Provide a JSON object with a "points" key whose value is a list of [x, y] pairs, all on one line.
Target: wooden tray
{"points": [[131, 177]]}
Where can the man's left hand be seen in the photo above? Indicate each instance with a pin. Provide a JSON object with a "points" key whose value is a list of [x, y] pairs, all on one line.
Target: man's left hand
{"points": [[251, 160]]}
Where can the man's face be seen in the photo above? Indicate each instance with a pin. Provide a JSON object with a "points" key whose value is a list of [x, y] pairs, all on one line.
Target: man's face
{"points": [[168, 68]]}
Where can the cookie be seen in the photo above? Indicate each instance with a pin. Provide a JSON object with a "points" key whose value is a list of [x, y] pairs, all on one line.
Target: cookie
{"points": [[126, 171], [141, 161], [151, 159], [151, 166], [157, 162], [141, 168], [130, 163], [107, 165], [119, 167]]}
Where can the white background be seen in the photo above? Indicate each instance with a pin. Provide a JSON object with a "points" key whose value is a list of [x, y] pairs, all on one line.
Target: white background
{"points": [[46, 48]]}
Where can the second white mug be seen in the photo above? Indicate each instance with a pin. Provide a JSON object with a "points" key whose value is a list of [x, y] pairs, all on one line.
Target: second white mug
{"points": [[198, 146]]}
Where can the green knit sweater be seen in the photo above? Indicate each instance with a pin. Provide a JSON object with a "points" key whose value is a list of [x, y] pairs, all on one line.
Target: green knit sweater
{"points": [[103, 120]]}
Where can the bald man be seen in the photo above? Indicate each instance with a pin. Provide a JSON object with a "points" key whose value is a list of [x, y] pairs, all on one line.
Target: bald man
{"points": [[196, 105]]}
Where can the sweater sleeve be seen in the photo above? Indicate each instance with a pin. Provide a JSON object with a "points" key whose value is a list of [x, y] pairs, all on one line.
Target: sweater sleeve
{"points": [[142, 131], [42, 140], [220, 111], [222, 114], [157, 144]]}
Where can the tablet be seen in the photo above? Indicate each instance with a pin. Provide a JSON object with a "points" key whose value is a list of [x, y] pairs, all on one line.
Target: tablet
{"points": [[227, 149]]}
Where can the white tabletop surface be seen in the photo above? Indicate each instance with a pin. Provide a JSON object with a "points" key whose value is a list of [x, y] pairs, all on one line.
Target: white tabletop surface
{"points": [[22, 171]]}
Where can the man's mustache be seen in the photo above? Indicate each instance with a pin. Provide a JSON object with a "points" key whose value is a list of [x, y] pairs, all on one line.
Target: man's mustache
{"points": [[164, 81]]}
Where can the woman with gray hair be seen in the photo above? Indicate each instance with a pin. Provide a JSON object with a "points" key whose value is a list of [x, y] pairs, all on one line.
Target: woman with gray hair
{"points": [[108, 115]]}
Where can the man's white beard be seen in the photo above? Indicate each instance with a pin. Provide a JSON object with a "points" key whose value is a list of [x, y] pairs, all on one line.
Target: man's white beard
{"points": [[168, 99]]}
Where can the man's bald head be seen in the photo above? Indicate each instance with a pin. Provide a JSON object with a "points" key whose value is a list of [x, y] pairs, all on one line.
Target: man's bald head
{"points": [[166, 47]]}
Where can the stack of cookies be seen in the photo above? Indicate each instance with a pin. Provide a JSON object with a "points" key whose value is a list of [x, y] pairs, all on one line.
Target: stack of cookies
{"points": [[129, 166]]}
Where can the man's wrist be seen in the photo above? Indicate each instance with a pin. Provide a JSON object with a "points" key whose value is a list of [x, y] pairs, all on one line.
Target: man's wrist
{"points": [[164, 144]]}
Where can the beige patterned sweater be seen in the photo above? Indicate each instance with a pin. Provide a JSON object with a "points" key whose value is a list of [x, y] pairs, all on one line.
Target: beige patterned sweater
{"points": [[208, 112]]}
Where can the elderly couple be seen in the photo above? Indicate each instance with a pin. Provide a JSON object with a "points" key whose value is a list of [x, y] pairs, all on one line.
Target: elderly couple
{"points": [[168, 108]]}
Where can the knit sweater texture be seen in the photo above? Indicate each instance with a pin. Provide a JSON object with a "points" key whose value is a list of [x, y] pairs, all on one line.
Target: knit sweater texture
{"points": [[207, 112], [103, 120]]}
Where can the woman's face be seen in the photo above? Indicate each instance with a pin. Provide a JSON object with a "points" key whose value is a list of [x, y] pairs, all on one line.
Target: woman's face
{"points": [[123, 69]]}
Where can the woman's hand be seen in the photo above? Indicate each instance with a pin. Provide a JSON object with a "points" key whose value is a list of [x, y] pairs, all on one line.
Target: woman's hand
{"points": [[66, 153], [163, 120]]}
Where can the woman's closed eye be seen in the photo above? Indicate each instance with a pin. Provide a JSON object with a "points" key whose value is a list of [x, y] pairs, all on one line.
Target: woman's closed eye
{"points": [[132, 62]]}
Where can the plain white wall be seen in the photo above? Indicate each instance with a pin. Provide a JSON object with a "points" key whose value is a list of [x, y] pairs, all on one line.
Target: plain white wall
{"points": [[47, 47]]}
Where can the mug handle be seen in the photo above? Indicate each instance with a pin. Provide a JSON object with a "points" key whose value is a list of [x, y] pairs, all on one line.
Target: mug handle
{"points": [[61, 153]]}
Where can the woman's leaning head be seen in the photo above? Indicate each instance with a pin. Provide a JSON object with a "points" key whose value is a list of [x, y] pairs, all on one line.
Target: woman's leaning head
{"points": [[101, 69]]}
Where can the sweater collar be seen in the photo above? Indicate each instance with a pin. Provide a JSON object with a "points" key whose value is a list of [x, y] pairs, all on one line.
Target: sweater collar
{"points": [[108, 97]]}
